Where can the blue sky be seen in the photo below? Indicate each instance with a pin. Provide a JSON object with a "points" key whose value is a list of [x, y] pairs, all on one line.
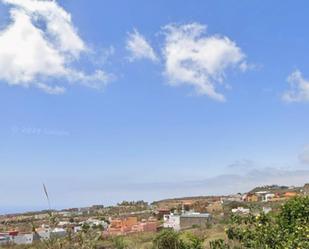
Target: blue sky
{"points": [[151, 121]]}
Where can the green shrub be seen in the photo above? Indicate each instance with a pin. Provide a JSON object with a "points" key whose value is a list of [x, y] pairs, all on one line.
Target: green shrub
{"points": [[289, 228], [218, 244], [119, 243], [169, 239]]}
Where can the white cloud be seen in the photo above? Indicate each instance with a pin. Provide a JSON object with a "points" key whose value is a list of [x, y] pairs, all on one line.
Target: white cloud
{"points": [[299, 88], [304, 155], [192, 58], [40, 45], [139, 47], [50, 89]]}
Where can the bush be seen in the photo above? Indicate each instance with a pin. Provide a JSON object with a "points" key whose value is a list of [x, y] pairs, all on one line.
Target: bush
{"points": [[169, 239], [287, 229], [119, 243], [219, 244]]}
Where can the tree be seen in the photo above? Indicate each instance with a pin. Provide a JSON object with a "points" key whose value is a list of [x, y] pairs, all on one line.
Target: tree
{"points": [[169, 239], [119, 243], [289, 228]]}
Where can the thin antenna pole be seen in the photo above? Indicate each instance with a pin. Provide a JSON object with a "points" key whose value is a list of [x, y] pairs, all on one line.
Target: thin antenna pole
{"points": [[47, 197]]}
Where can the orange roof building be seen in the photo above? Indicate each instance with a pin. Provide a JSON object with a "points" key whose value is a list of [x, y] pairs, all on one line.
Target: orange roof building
{"points": [[130, 225], [290, 194]]}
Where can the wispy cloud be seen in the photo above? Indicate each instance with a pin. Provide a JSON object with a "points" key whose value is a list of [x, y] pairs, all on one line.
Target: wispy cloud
{"points": [[139, 47], [299, 88], [40, 46], [199, 60]]}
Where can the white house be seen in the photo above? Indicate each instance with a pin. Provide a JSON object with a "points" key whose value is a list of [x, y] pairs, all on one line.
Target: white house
{"points": [[23, 239], [95, 222], [64, 223], [171, 221], [4, 239], [58, 232], [265, 196], [77, 229], [269, 196], [46, 232], [185, 220], [241, 210]]}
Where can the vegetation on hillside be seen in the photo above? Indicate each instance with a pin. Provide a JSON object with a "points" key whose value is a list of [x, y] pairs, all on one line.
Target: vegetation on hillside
{"points": [[289, 228], [286, 229]]}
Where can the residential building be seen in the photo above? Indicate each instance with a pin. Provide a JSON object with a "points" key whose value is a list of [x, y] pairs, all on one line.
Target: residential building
{"points": [[41, 216], [236, 197], [250, 197], [305, 189], [17, 238], [241, 210], [172, 221], [261, 195], [77, 229], [289, 195], [58, 232], [186, 220], [95, 222], [23, 239], [269, 196], [145, 226], [161, 212], [4, 239], [130, 225], [43, 232]]}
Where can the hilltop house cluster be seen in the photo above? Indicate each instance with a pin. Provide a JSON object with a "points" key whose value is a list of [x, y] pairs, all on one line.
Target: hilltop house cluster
{"points": [[186, 220], [45, 232], [273, 193]]}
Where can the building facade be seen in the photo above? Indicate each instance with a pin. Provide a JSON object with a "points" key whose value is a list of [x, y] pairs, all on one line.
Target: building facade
{"points": [[186, 220]]}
